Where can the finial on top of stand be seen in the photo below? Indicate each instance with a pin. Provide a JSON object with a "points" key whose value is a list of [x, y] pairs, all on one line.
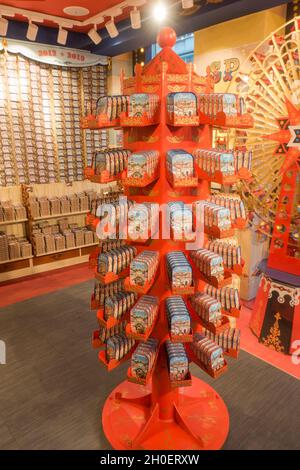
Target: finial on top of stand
{"points": [[166, 37]]}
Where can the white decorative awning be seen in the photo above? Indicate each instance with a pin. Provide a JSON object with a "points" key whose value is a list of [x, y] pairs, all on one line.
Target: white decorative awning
{"points": [[53, 55]]}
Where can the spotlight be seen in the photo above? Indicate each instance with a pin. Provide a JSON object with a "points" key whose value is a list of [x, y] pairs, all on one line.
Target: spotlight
{"points": [[135, 17], [160, 12], [187, 4], [111, 28], [94, 35], [62, 36], [3, 26], [32, 31]]}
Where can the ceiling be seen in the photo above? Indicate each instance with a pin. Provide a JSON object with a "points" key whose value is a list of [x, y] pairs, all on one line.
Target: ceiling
{"points": [[56, 8], [211, 12]]}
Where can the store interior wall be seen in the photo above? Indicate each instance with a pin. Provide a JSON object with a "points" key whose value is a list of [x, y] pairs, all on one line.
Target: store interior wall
{"points": [[234, 39]]}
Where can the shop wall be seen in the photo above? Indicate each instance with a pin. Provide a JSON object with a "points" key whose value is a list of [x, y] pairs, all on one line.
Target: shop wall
{"points": [[119, 63], [225, 47]]}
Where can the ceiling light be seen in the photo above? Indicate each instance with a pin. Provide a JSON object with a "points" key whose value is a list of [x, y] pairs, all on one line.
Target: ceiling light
{"points": [[187, 4], [32, 31], [3, 26], [111, 28], [94, 36], [160, 12], [76, 11], [135, 17], [62, 36]]}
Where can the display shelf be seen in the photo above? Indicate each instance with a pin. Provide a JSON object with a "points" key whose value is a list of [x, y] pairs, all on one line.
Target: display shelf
{"points": [[113, 363], [184, 183], [216, 329], [96, 341], [234, 353], [187, 338], [103, 178], [239, 223], [244, 174], [15, 259], [142, 336], [100, 121], [187, 382], [139, 121], [111, 322], [94, 304], [161, 404], [216, 232], [92, 221], [183, 121], [225, 323], [108, 278], [236, 269], [138, 289], [140, 182], [146, 380], [211, 372], [65, 250], [93, 258], [57, 216], [233, 312], [218, 177], [212, 280], [242, 121], [187, 290], [12, 222]]}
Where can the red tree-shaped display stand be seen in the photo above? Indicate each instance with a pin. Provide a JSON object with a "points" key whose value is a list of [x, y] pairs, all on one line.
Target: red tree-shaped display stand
{"points": [[159, 414]]}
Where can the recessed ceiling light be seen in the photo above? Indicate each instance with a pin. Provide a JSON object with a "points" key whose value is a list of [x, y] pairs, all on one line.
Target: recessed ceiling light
{"points": [[76, 11]]}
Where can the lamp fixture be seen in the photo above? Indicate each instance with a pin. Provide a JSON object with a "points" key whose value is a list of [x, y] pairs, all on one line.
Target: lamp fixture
{"points": [[135, 17], [62, 36], [94, 35], [111, 28], [159, 11], [187, 4], [32, 31], [3, 26]]}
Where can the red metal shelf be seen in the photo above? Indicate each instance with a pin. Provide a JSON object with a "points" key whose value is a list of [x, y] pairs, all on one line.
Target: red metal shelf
{"points": [[139, 121], [182, 121], [182, 338], [113, 363], [233, 312], [96, 341], [100, 121], [215, 232], [103, 178], [182, 383], [242, 121], [213, 373], [140, 336], [111, 320], [108, 278], [140, 182], [148, 378]]}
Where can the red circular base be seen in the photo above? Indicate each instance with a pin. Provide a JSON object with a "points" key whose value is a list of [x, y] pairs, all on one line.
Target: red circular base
{"points": [[201, 420]]}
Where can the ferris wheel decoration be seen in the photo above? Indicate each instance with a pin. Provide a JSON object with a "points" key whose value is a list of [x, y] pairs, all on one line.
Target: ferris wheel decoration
{"points": [[269, 81]]}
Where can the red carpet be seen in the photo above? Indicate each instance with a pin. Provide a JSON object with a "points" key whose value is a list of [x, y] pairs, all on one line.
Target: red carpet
{"points": [[39, 284], [33, 286]]}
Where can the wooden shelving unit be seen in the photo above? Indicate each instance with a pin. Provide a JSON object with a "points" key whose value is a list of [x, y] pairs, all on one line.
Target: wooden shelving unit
{"points": [[15, 268]]}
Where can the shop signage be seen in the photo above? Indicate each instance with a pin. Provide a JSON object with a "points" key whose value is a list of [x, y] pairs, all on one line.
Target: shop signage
{"points": [[53, 55]]}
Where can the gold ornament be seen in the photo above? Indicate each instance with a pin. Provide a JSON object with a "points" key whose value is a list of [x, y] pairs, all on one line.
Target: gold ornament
{"points": [[273, 339]]}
